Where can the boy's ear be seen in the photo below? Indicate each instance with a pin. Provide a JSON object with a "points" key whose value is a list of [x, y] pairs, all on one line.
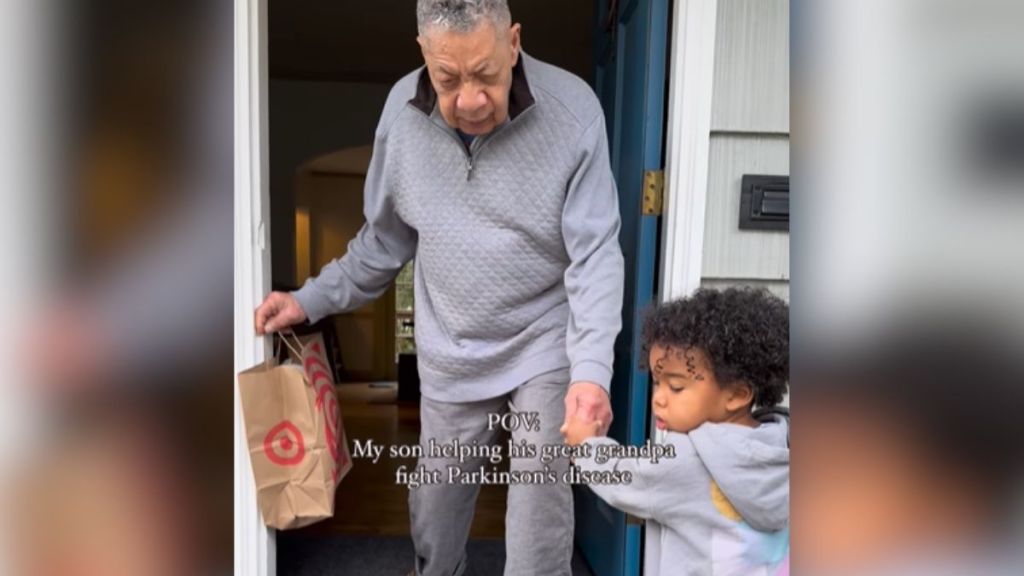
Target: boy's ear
{"points": [[740, 396]]}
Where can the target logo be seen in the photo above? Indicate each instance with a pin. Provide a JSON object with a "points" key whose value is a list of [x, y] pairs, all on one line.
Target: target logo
{"points": [[284, 445], [331, 425], [326, 401], [318, 376]]}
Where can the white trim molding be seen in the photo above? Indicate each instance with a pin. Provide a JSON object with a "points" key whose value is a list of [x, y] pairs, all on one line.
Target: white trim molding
{"points": [[689, 139], [254, 542]]}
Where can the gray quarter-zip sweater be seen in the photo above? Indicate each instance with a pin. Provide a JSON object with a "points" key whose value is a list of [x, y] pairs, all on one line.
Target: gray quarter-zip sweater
{"points": [[518, 266], [719, 507]]}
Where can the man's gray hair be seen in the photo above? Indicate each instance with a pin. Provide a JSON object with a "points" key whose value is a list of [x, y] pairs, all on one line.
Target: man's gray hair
{"points": [[461, 15]]}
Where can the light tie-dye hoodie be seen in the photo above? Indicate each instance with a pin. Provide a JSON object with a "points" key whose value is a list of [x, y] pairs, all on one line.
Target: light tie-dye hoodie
{"points": [[719, 508]]}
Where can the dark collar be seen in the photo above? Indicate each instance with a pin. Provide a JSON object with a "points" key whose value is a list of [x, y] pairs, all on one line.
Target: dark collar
{"points": [[520, 98]]}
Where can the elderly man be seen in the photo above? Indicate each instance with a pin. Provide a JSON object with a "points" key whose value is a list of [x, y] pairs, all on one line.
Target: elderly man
{"points": [[491, 169]]}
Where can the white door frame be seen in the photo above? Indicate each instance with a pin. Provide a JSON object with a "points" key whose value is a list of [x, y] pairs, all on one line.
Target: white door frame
{"points": [[254, 542], [688, 143], [691, 80]]}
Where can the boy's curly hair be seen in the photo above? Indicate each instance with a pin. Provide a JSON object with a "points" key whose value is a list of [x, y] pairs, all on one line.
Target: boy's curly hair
{"points": [[744, 332]]}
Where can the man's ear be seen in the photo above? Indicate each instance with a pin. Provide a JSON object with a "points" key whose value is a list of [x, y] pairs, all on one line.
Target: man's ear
{"points": [[514, 39], [739, 396]]}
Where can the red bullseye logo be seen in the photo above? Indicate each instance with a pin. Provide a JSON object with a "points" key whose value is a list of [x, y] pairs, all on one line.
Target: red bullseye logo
{"points": [[283, 445], [319, 378], [331, 425]]}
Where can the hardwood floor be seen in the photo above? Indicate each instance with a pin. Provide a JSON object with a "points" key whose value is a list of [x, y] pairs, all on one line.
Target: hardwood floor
{"points": [[368, 501]]}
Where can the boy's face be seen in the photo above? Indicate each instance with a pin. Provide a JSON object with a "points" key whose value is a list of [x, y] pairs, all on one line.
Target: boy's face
{"points": [[685, 392]]}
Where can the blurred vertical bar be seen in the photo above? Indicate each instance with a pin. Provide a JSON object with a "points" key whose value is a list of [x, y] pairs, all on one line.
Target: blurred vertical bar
{"points": [[26, 184], [907, 277], [116, 239]]}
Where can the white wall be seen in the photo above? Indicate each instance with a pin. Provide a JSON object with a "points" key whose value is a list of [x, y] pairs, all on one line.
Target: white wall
{"points": [[749, 135]]}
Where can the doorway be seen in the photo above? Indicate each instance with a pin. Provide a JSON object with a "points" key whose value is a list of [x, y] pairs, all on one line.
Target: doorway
{"points": [[330, 69]]}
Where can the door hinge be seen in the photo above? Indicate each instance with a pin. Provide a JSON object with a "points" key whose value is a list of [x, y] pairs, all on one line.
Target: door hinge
{"points": [[654, 191]]}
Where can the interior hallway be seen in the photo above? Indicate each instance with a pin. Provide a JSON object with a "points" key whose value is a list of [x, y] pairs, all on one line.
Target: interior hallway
{"points": [[369, 533]]}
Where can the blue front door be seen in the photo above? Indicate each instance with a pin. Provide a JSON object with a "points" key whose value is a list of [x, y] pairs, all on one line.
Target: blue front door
{"points": [[631, 48]]}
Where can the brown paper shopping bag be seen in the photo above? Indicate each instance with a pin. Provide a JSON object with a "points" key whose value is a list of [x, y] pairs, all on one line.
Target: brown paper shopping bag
{"points": [[296, 437]]}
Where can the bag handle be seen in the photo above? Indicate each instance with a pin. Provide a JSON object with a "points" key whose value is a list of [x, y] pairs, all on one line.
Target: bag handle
{"points": [[282, 336]]}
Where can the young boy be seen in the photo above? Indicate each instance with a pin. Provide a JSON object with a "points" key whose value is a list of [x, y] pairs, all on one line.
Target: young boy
{"points": [[719, 363]]}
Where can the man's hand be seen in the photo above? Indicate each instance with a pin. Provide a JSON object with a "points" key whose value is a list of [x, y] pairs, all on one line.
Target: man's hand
{"points": [[279, 310], [577, 430], [588, 402]]}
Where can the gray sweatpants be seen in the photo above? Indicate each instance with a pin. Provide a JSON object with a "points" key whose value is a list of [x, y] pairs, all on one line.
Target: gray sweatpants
{"points": [[539, 518]]}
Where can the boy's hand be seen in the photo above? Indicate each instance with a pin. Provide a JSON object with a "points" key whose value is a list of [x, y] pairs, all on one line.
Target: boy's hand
{"points": [[577, 430]]}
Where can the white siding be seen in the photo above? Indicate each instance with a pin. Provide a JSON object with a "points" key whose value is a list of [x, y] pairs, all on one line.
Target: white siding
{"points": [[779, 288], [728, 251], [749, 135], [751, 89]]}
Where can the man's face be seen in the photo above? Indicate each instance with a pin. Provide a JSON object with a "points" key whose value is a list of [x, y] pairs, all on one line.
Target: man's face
{"points": [[472, 74]]}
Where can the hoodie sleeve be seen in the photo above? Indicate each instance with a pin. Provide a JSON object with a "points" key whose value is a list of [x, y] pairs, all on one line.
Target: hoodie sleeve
{"points": [[751, 467], [376, 255], [594, 278], [633, 498]]}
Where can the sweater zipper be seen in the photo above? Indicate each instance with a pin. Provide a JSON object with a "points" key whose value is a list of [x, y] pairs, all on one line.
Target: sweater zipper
{"points": [[470, 158], [462, 146], [488, 137]]}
